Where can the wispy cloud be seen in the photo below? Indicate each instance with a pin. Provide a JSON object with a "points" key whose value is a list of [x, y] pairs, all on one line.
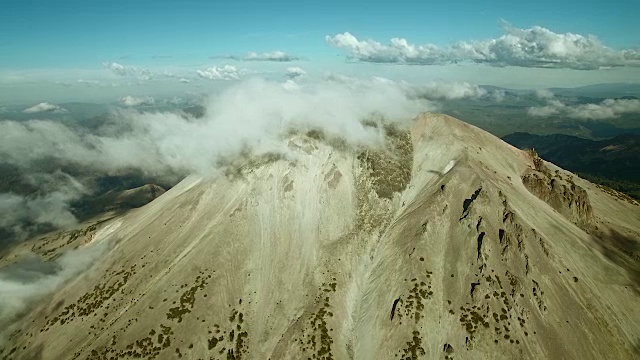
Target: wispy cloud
{"points": [[89, 82], [273, 56], [534, 47]]}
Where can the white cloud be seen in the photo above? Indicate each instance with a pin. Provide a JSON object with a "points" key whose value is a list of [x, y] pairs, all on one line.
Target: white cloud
{"points": [[44, 107], [50, 205], [607, 109], [535, 47], [398, 51], [50, 209], [184, 80], [544, 94], [271, 56], [554, 107], [498, 95], [118, 69], [29, 279], [294, 72], [128, 71], [254, 113], [89, 82], [137, 101], [291, 85], [434, 90], [226, 72], [441, 90], [339, 78]]}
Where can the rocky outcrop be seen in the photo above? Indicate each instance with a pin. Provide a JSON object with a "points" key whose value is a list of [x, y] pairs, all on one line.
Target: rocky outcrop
{"points": [[559, 191]]}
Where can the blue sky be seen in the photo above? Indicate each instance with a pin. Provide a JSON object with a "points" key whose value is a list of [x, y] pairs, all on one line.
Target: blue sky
{"points": [[67, 40]]}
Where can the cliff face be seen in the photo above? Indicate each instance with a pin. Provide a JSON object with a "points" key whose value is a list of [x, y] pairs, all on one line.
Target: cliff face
{"points": [[445, 242]]}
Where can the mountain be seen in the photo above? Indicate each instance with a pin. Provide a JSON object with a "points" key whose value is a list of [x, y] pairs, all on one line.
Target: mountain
{"points": [[606, 90], [615, 160], [446, 243], [120, 201]]}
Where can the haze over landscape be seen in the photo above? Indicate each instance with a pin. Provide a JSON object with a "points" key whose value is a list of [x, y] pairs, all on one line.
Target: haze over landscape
{"points": [[331, 181]]}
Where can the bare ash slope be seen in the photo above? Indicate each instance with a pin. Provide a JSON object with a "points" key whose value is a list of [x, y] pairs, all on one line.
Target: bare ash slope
{"points": [[451, 244]]}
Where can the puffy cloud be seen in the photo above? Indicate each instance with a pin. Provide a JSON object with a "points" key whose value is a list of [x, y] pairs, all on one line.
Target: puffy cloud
{"points": [[294, 72], [607, 109], [184, 80], [226, 72], [534, 47], [44, 107], [130, 71], [271, 56], [398, 51], [137, 101]]}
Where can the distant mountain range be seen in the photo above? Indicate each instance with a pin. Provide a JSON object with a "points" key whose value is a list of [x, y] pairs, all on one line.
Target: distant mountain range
{"points": [[606, 90]]}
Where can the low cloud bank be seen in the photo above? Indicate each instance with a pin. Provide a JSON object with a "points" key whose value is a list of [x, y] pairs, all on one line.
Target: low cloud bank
{"points": [[137, 101], [30, 279], [46, 209], [253, 114], [605, 110]]}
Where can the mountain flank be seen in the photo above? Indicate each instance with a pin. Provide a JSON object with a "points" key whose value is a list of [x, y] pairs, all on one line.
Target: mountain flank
{"points": [[445, 242]]}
